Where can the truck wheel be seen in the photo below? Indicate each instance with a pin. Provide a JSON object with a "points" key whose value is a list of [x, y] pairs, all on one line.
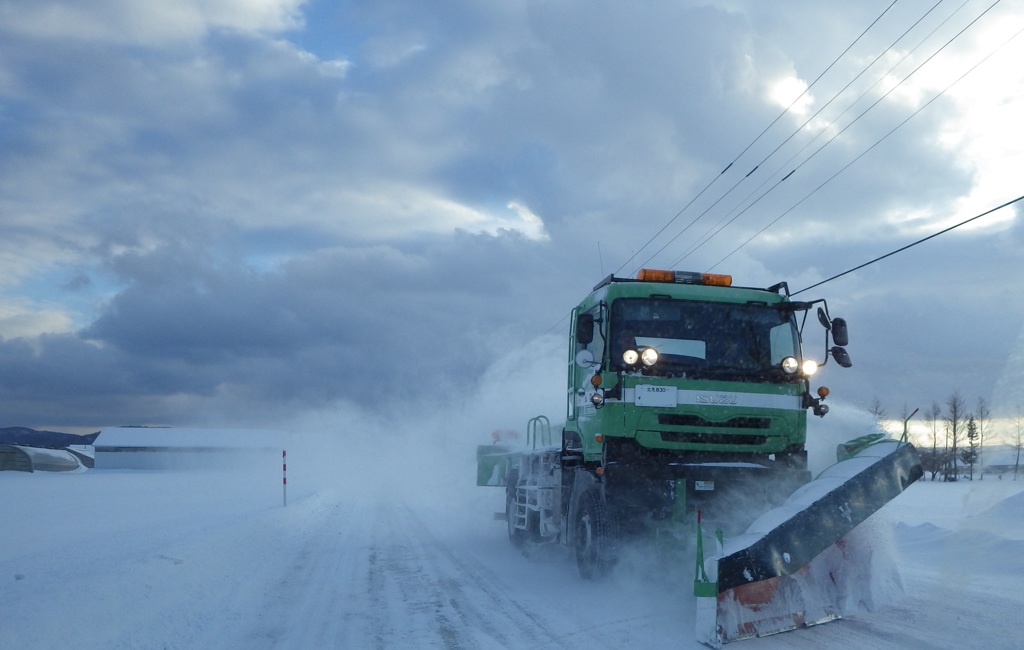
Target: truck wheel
{"points": [[595, 537], [515, 535]]}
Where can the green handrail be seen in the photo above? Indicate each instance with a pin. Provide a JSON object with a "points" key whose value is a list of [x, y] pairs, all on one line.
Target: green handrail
{"points": [[538, 427]]}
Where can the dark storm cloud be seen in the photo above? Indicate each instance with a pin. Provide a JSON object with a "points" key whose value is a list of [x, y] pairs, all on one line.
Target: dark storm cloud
{"points": [[358, 324]]}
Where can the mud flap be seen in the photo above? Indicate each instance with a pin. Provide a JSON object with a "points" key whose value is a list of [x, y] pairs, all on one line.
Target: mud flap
{"points": [[789, 569]]}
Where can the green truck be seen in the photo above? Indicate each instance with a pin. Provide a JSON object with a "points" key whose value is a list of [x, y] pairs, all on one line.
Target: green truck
{"points": [[685, 395]]}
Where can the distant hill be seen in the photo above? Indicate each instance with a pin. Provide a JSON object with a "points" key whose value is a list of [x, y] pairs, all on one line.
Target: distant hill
{"points": [[46, 439]]}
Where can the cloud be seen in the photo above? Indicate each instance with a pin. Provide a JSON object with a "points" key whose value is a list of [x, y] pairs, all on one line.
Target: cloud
{"points": [[396, 212], [363, 324], [217, 210], [147, 23], [29, 321]]}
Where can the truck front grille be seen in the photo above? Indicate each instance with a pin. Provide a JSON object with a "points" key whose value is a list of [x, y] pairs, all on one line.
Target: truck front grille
{"points": [[704, 438], [684, 420]]}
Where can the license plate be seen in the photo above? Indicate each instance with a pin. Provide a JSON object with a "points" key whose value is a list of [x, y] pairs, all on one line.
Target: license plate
{"points": [[650, 395]]}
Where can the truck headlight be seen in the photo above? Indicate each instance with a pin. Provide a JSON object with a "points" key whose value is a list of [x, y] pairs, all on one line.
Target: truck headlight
{"points": [[649, 356], [790, 365]]}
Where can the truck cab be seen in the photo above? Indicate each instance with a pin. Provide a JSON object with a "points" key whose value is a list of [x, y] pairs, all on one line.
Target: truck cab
{"points": [[683, 392]]}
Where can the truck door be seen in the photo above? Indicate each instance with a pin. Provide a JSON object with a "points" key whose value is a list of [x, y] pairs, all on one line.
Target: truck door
{"points": [[586, 356]]}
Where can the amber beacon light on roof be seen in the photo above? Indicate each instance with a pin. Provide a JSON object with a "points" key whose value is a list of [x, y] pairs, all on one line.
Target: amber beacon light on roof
{"points": [[684, 277]]}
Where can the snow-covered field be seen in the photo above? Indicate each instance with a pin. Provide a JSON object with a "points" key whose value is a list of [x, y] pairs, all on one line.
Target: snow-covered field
{"points": [[384, 550]]}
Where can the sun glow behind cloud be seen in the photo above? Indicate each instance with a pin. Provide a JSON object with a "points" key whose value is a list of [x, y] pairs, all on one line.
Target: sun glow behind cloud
{"points": [[791, 93]]}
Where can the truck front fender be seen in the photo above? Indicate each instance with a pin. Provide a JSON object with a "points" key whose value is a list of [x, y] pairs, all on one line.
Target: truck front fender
{"points": [[581, 480]]}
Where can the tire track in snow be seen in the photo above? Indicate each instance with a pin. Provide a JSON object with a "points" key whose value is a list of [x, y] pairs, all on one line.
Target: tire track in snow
{"points": [[376, 576], [444, 592], [315, 605]]}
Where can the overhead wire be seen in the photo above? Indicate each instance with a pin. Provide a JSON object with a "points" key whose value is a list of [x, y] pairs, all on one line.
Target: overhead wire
{"points": [[840, 132], [869, 149], [911, 245], [752, 143], [725, 221], [787, 109], [862, 72], [835, 96]]}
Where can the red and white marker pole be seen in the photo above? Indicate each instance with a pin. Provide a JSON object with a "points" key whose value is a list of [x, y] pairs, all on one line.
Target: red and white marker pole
{"points": [[284, 475]]}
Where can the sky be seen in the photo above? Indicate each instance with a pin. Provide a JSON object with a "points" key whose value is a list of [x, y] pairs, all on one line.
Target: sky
{"points": [[234, 213]]}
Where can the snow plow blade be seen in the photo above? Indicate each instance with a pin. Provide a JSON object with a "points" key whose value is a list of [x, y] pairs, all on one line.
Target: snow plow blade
{"points": [[790, 568]]}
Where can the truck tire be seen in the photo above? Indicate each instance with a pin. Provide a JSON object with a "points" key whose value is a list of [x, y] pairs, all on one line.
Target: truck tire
{"points": [[515, 535], [595, 536]]}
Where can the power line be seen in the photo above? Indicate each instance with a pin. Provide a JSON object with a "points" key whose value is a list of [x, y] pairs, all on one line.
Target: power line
{"points": [[722, 223], [919, 241], [869, 149], [816, 80], [718, 227], [766, 129], [887, 255], [838, 93], [751, 144], [847, 127]]}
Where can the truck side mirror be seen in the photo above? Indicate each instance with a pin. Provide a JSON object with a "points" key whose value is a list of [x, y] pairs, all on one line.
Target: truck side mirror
{"points": [[585, 329], [585, 359], [823, 319], [840, 333], [841, 356]]}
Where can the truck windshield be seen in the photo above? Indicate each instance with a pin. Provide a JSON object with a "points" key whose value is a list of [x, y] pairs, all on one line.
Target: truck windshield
{"points": [[709, 339]]}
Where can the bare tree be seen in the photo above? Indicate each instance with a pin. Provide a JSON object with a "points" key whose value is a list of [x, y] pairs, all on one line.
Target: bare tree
{"points": [[954, 422], [982, 415], [878, 411], [933, 459]]}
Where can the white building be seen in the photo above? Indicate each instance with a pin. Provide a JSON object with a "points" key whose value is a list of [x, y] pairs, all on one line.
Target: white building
{"points": [[167, 448]]}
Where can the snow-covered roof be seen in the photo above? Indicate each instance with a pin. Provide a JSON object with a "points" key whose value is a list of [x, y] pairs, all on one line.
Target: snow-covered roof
{"points": [[999, 455], [193, 438]]}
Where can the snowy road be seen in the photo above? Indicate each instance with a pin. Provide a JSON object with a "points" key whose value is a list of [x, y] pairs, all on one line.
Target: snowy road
{"points": [[398, 581], [403, 583], [163, 560], [391, 582]]}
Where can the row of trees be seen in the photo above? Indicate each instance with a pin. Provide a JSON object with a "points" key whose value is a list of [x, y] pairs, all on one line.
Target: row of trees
{"points": [[957, 437]]}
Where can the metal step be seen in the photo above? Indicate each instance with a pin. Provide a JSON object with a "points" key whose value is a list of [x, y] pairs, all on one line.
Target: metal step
{"points": [[521, 509]]}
